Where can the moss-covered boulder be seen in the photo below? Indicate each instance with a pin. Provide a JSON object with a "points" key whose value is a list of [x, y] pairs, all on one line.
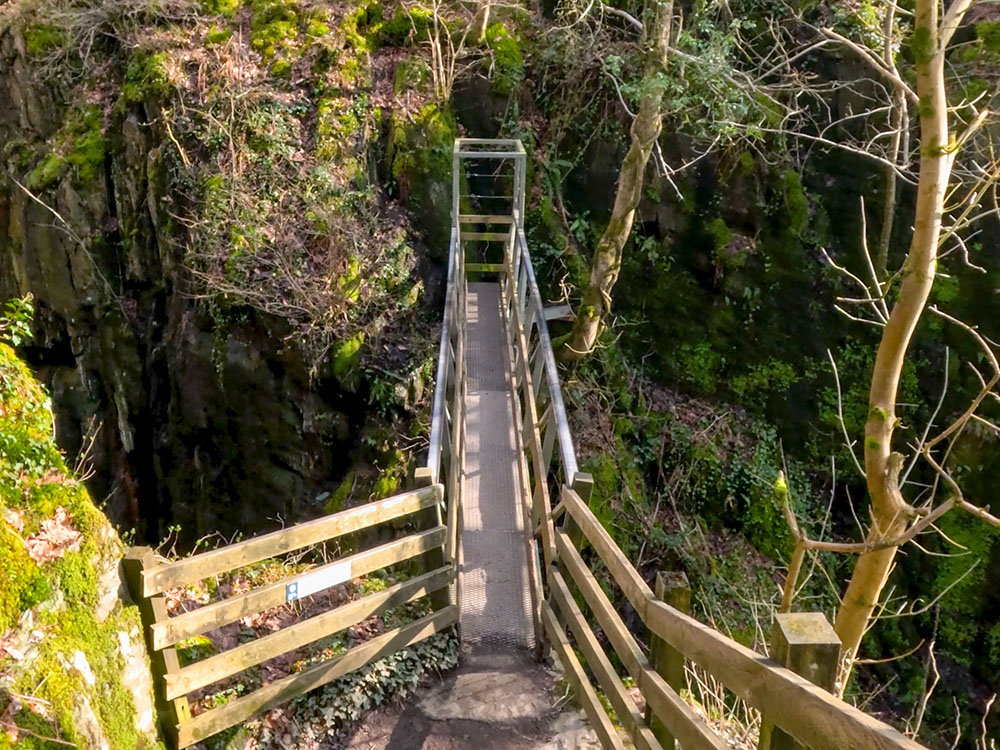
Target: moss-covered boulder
{"points": [[73, 668]]}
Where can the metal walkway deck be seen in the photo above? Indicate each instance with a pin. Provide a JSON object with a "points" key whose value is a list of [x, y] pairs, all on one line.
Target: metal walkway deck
{"points": [[496, 599]]}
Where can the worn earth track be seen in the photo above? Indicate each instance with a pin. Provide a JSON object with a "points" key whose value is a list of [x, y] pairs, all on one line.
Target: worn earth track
{"points": [[498, 699]]}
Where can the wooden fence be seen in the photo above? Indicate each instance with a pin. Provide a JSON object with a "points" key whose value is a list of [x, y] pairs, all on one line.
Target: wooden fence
{"points": [[149, 578]]}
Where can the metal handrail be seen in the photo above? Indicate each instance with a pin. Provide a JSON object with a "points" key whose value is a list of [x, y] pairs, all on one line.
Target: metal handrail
{"points": [[567, 451], [439, 415]]}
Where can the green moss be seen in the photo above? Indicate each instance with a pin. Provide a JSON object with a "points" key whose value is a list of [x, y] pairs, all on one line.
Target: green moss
{"points": [[411, 75], [403, 26], [194, 649], [922, 45], [508, 62], [217, 35], [316, 29], [49, 170], [341, 495], [796, 203], [721, 234], [226, 8], [281, 68], [62, 592], [86, 154], [877, 412], [871, 444], [989, 33], [145, 76], [420, 147], [275, 24], [925, 106], [40, 38], [348, 356]]}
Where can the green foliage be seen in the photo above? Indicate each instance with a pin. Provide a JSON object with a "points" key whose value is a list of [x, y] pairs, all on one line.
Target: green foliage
{"points": [[963, 574], [989, 33], [508, 62], [217, 35], [15, 321], [700, 366], [322, 712], [194, 649]]}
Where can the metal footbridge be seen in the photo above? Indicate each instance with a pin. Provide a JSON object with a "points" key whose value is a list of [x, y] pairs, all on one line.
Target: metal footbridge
{"points": [[498, 540]]}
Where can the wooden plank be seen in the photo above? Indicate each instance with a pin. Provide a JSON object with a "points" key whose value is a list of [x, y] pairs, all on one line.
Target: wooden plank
{"points": [[627, 577], [807, 712], [559, 312], [485, 267], [666, 704], [673, 588], [487, 237], [485, 219], [235, 660], [221, 613], [214, 721], [599, 720], [214, 562], [623, 704]]}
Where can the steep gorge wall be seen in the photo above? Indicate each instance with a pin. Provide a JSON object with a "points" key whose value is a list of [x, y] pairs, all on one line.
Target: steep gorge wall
{"points": [[193, 414]]}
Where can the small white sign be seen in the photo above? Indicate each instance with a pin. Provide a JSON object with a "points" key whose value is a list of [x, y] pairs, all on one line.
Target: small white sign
{"points": [[324, 578]]}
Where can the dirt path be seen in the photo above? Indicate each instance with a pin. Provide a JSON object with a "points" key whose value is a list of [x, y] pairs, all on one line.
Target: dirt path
{"points": [[498, 699]]}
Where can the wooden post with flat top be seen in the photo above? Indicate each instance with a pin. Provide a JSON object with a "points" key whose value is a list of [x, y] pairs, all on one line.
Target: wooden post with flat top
{"points": [[583, 485], [805, 643], [435, 558], [671, 588], [172, 713]]}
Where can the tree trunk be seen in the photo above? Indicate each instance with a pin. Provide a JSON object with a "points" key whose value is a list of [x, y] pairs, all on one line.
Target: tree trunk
{"points": [[482, 19], [645, 130], [890, 514]]}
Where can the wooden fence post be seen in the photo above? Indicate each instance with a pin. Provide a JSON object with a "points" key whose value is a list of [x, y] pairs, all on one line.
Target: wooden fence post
{"points": [[805, 643], [671, 588], [171, 713], [436, 557], [583, 485]]}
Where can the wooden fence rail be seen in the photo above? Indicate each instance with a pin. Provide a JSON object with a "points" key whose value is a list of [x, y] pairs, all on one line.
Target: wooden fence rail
{"points": [[814, 717], [148, 579]]}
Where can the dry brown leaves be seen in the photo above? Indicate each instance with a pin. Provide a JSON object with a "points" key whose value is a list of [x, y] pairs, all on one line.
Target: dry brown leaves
{"points": [[56, 537]]}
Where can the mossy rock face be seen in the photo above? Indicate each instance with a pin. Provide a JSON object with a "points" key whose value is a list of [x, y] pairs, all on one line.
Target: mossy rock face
{"points": [[66, 638], [420, 149], [507, 59]]}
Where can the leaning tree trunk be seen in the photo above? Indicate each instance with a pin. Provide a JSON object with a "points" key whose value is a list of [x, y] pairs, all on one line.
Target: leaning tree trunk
{"points": [[645, 130], [890, 514]]}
